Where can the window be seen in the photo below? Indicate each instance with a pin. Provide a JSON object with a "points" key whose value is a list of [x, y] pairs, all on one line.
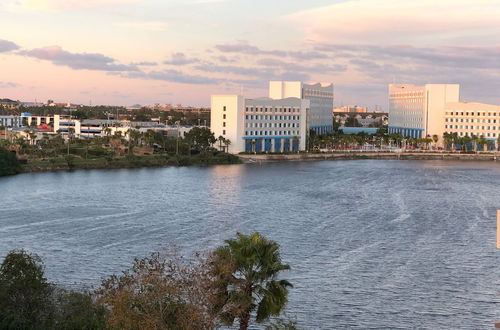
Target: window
{"points": [[224, 108], [223, 132], [224, 124], [224, 116]]}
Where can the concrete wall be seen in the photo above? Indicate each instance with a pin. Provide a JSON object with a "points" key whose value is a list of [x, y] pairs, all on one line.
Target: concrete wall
{"points": [[232, 107]]}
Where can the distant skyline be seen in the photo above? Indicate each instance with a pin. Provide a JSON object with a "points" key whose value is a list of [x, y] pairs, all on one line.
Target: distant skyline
{"points": [[123, 52]]}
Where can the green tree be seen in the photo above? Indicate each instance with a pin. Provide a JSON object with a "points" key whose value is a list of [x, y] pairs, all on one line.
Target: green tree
{"points": [[9, 164], [77, 310], [25, 294], [352, 122], [248, 269], [200, 138]]}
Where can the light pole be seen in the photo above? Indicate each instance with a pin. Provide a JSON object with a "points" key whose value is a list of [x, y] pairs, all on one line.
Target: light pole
{"points": [[177, 140]]}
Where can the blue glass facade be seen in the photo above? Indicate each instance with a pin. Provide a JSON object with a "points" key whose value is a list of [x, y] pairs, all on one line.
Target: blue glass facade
{"points": [[271, 144], [407, 132]]}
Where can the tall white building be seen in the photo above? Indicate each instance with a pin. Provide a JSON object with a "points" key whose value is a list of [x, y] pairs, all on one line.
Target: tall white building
{"points": [[260, 125], [418, 111], [320, 96]]}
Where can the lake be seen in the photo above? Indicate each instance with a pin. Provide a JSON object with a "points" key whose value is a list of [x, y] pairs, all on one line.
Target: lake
{"points": [[371, 243]]}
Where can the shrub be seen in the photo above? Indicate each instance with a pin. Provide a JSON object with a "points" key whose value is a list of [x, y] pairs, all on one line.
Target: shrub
{"points": [[9, 164]]}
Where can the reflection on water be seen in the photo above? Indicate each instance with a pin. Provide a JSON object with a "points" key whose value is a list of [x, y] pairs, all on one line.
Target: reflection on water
{"points": [[372, 244]]}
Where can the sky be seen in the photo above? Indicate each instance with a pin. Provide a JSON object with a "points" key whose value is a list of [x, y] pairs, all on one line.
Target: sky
{"points": [[124, 52]]}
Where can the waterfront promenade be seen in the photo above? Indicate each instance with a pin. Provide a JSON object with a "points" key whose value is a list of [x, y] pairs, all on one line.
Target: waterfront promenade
{"points": [[361, 154]]}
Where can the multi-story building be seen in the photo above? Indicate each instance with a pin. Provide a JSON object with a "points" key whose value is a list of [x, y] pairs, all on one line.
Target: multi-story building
{"points": [[472, 119], [350, 109], [10, 121], [320, 96], [9, 104], [27, 119], [418, 111], [260, 125]]}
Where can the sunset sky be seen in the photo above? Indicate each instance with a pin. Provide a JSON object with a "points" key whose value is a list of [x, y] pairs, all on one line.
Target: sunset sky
{"points": [[125, 52]]}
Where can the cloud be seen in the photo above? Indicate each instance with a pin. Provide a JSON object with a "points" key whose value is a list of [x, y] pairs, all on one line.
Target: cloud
{"points": [[77, 61], [207, 1], [71, 4], [7, 46], [263, 74], [144, 63], [322, 67], [147, 26], [174, 76], [180, 59], [8, 84], [448, 56], [245, 48], [396, 21]]}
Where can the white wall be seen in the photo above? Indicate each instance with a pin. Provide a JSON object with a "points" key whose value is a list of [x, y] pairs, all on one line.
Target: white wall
{"points": [[436, 98], [285, 89], [234, 120]]}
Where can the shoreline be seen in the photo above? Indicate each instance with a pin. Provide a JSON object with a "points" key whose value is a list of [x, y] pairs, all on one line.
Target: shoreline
{"points": [[258, 158], [267, 158]]}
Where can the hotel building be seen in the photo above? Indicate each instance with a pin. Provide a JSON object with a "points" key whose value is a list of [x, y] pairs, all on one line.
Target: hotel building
{"points": [[319, 118], [418, 111], [468, 119], [260, 125]]}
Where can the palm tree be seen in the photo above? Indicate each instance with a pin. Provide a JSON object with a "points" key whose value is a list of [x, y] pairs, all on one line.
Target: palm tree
{"points": [[295, 140], [227, 143], [221, 140], [435, 139], [248, 268], [252, 144]]}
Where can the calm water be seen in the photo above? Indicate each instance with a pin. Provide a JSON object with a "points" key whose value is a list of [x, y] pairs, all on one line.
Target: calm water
{"points": [[373, 244]]}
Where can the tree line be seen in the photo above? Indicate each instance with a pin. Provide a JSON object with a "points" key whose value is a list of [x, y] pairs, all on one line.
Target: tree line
{"points": [[237, 283], [451, 141]]}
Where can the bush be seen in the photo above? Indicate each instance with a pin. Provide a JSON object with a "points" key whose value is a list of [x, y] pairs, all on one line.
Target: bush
{"points": [[77, 310], [9, 164]]}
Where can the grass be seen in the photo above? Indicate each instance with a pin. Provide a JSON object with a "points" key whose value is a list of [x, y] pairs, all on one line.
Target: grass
{"points": [[130, 161]]}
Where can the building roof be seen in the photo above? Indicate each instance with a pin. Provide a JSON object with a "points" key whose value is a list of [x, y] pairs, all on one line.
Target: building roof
{"points": [[472, 106]]}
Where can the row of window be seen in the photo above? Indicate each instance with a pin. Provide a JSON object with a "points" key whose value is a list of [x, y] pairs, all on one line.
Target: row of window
{"points": [[488, 135], [271, 125], [316, 93], [270, 133], [471, 113], [405, 100], [272, 109], [471, 127], [466, 120], [271, 117], [407, 94]]}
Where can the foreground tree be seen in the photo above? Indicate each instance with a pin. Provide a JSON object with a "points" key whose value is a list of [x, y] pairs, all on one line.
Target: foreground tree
{"points": [[160, 292], [25, 294], [247, 269], [76, 310]]}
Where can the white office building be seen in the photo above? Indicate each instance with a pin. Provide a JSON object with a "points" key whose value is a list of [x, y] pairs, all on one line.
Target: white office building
{"points": [[260, 125], [319, 118], [418, 111]]}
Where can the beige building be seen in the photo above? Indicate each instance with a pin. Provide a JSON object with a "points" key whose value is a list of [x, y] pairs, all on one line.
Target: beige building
{"points": [[469, 119], [418, 111], [351, 109]]}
